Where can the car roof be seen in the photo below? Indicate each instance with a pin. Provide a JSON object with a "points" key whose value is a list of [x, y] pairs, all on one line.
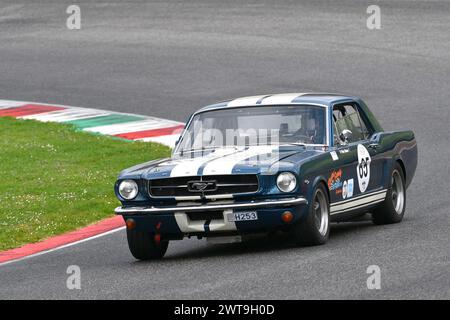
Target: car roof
{"points": [[325, 99]]}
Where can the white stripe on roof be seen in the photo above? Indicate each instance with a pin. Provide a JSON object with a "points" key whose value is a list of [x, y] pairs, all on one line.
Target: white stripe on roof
{"points": [[283, 98], [245, 101]]}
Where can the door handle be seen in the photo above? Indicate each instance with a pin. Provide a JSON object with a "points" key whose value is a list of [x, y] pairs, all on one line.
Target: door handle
{"points": [[373, 145]]}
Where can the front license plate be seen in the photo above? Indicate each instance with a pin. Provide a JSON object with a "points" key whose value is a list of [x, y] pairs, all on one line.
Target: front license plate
{"points": [[242, 216]]}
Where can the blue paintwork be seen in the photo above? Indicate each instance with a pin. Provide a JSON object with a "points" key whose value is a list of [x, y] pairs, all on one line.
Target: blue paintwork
{"points": [[311, 165]]}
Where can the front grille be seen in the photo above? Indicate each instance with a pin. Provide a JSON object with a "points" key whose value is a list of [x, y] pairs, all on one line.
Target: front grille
{"points": [[215, 185]]}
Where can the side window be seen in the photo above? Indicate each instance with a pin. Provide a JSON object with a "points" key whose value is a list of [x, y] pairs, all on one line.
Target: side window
{"points": [[346, 116]]}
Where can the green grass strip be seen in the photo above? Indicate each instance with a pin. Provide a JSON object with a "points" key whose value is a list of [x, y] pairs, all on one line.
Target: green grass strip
{"points": [[55, 179]]}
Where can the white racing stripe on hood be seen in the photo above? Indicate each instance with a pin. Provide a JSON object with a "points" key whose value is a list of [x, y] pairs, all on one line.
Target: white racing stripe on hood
{"points": [[225, 165], [190, 166]]}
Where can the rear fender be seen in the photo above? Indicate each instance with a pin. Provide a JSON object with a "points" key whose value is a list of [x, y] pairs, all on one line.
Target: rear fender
{"points": [[398, 146]]}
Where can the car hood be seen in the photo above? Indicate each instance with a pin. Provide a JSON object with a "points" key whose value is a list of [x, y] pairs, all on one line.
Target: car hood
{"points": [[245, 160]]}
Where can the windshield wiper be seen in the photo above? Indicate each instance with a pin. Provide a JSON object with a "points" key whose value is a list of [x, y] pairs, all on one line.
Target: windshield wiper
{"points": [[205, 149], [300, 144]]}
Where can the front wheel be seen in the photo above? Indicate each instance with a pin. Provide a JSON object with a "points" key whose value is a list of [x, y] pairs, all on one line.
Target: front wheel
{"points": [[144, 247], [315, 229], [393, 207]]}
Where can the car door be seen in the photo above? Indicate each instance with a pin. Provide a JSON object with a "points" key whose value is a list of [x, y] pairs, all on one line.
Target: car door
{"points": [[358, 167]]}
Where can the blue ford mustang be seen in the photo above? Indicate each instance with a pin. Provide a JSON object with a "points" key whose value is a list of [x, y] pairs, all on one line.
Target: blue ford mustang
{"points": [[291, 162]]}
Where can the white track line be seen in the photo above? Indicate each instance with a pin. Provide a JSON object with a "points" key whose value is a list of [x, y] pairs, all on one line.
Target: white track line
{"points": [[63, 246]]}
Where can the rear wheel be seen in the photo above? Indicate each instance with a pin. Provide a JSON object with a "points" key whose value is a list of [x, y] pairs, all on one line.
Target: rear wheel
{"points": [[315, 229], [144, 247], [393, 207]]}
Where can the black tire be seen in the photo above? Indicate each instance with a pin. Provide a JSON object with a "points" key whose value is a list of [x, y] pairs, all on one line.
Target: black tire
{"points": [[393, 207], [315, 229], [143, 246]]}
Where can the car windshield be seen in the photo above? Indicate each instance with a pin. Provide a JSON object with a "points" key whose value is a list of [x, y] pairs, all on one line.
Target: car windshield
{"points": [[250, 126]]}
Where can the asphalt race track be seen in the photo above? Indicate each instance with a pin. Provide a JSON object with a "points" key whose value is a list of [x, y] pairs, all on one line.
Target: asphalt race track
{"points": [[168, 59]]}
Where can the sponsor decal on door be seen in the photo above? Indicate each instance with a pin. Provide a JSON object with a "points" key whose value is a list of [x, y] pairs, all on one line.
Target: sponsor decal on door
{"points": [[335, 181], [347, 189]]}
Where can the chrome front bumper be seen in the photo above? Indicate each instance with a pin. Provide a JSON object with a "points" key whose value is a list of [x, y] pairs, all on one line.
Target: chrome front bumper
{"points": [[208, 207]]}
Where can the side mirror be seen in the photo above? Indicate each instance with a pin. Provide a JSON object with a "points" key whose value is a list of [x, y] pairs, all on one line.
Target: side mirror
{"points": [[375, 140], [345, 135]]}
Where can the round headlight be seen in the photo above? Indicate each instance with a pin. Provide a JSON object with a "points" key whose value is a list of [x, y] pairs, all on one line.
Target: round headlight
{"points": [[128, 189], [286, 182]]}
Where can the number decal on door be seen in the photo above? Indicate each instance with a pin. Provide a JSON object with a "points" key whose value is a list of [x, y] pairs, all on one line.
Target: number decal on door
{"points": [[363, 168]]}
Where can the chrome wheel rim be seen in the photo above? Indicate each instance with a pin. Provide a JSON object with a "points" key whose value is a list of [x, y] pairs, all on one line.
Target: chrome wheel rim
{"points": [[398, 192], [320, 209]]}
